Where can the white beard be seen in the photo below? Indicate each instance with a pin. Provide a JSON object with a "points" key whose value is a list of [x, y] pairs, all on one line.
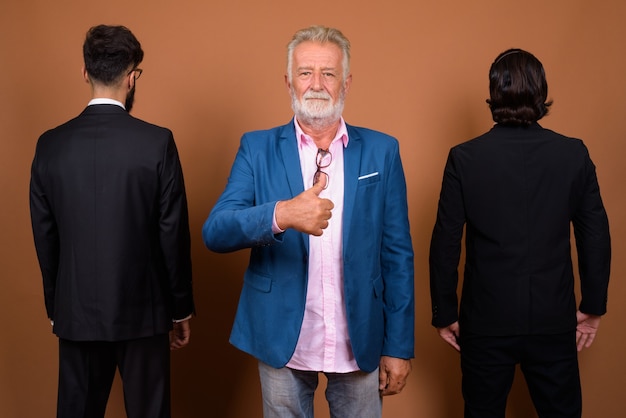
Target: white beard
{"points": [[318, 114]]}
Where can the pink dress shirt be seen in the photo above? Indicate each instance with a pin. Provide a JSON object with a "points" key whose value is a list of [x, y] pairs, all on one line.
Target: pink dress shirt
{"points": [[324, 344]]}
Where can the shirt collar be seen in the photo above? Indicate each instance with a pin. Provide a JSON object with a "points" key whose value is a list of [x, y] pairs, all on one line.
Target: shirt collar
{"points": [[105, 100], [342, 133]]}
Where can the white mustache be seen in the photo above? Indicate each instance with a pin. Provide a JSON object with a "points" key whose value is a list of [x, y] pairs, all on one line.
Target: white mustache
{"points": [[316, 95]]}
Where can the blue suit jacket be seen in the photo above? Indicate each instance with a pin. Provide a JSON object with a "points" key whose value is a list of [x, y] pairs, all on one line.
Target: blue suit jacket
{"points": [[377, 248]]}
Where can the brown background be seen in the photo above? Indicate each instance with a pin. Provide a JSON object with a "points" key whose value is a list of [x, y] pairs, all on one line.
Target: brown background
{"points": [[214, 70]]}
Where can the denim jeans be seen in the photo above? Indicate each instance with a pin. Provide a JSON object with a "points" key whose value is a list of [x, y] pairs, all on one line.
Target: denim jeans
{"points": [[288, 393]]}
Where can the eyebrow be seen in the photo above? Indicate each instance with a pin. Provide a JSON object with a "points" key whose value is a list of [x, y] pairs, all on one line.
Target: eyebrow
{"points": [[309, 67]]}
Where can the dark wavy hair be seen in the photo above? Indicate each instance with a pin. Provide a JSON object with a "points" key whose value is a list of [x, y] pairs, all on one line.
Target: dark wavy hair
{"points": [[518, 89], [110, 52]]}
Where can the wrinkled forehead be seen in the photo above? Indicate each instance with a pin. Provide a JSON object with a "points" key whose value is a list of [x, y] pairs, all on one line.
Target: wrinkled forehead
{"points": [[318, 55]]}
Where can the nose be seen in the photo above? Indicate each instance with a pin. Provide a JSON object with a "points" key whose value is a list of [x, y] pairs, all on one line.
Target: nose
{"points": [[316, 81]]}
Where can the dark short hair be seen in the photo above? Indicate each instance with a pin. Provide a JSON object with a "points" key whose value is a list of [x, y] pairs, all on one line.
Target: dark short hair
{"points": [[518, 89], [109, 52]]}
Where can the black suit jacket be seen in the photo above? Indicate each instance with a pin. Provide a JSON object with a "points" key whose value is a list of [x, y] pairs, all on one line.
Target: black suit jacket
{"points": [[109, 217], [517, 191]]}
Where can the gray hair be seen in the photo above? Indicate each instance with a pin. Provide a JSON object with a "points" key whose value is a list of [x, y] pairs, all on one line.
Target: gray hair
{"points": [[321, 34]]}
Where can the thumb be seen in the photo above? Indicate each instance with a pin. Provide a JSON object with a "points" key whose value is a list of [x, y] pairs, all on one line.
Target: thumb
{"points": [[382, 378], [319, 186]]}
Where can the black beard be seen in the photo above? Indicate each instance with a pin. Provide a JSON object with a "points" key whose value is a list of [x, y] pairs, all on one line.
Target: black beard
{"points": [[130, 99]]}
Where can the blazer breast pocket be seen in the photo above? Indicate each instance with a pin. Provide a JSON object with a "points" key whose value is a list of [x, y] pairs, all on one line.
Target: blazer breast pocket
{"points": [[369, 178]]}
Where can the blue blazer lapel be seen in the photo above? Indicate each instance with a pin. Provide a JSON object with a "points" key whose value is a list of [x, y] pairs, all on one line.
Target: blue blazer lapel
{"points": [[351, 167], [291, 159], [288, 148]]}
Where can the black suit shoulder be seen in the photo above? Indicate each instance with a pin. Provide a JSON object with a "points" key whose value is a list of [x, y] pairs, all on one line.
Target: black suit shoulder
{"points": [[533, 146], [504, 136], [110, 121]]}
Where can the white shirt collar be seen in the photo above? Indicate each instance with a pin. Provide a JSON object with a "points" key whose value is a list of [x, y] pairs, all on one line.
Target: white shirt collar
{"points": [[105, 100], [342, 133]]}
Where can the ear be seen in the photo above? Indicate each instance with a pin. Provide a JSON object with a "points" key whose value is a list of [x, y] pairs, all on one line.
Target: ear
{"points": [[287, 83], [85, 74], [131, 80], [347, 84]]}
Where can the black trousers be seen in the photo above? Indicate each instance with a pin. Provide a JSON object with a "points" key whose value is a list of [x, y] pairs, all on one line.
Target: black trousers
{"points": [[87, 369], [549, 364]]}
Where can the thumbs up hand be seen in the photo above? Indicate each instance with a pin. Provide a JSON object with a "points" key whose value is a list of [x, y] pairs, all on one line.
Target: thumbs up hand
{"points": [[306, 212]]}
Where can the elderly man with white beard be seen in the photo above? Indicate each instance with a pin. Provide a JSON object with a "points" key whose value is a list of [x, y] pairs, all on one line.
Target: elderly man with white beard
{"points": [[322, 207]]}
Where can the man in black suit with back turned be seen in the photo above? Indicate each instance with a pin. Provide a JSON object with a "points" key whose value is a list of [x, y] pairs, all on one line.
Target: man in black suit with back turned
{"points": [[111, 229], [517, 189]]}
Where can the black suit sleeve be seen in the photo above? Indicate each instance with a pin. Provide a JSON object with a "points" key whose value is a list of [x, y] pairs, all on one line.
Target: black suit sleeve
{"points": [[46, 235], [445, 247], [174, 233], [593, 243]]}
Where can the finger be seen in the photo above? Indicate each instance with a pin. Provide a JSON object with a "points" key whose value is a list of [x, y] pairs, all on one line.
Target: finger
{"points": [[393, 387], [319, 186], [382, 379], [586, 341], [388, 391], [452, 341], [317, 232], [392, 383], [174, 345], [178, 343], [580, 343], [450, 338], [317, 226]]}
